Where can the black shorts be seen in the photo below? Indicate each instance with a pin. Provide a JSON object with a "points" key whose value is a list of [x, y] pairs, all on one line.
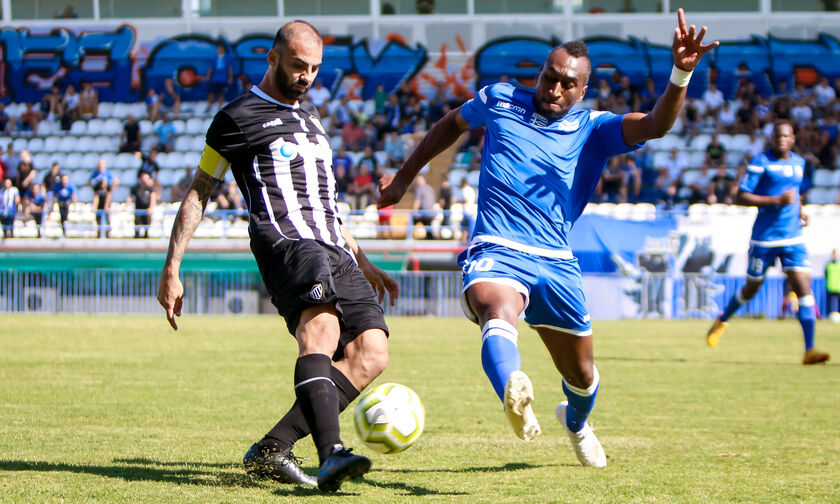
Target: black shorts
{"points": [[306, 273], [218, 87]]}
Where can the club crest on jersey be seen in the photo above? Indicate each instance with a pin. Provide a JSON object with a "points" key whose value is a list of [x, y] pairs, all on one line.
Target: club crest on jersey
{"points": [[316, 292], [288, 150], [538, 120], [567, 125], [273, 122]]}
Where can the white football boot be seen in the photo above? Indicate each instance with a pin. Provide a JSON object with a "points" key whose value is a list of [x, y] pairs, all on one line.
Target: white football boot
{"points": [[519, 393], [587, 447]]}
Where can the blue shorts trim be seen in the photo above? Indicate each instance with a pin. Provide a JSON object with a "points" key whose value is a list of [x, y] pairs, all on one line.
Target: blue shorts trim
{"points": [[793, 258]]}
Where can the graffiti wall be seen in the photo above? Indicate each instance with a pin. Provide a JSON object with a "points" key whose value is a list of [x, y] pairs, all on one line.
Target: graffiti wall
{"points": [[123, 67]]}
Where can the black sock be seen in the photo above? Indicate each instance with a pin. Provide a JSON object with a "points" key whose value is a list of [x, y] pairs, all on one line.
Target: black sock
{"points": [[317, 397], [293, 426]]}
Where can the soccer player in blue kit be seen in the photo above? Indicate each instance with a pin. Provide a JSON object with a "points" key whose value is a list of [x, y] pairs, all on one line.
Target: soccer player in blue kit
{"points": [[540, 165], [771, 183]]}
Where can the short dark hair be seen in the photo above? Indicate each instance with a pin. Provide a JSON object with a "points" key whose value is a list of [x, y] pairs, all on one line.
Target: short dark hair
{"points": [[782, 122], [576, 48], [291, 30]]}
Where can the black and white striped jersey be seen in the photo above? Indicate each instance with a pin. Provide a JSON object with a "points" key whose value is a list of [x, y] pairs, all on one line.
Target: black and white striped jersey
{"points": [[281, 159]]}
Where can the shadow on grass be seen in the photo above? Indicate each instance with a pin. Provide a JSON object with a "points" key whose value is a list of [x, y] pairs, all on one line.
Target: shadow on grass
{"points": [[139, 473], [511, 466], [700, 361], [147, 461]]}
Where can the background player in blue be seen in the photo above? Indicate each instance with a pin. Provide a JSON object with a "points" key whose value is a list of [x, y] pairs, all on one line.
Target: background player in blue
{"points": [[771, 183], [540, 165]]}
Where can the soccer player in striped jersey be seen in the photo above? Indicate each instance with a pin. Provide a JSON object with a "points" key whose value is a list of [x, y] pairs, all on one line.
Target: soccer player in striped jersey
{"points": [[540, 165], [771, 183], [318, 277]]}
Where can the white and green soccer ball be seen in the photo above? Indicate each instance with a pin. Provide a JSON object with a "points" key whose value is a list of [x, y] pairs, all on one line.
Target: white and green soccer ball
{"points": [[389, 418]]}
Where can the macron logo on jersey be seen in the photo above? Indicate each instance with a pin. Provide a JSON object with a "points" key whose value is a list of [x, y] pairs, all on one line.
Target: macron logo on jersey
{"points": [[510, 106], [273, 122]]}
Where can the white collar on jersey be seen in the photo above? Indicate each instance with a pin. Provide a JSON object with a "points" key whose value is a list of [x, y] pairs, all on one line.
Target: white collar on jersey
{"points": [[259, 92]]}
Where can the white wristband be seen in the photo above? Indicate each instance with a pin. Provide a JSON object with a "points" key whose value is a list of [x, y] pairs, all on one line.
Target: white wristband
{"points": [[679, 77]]}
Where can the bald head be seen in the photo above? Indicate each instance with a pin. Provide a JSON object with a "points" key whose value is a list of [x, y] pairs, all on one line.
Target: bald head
{"points": [[297, 32]]}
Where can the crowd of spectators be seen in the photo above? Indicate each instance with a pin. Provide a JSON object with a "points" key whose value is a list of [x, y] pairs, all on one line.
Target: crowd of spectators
{"points": [[372, 137]]}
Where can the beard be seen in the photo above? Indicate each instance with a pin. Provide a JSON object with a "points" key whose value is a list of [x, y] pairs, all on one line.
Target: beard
{"points": [[287, 87], [548, 113]]}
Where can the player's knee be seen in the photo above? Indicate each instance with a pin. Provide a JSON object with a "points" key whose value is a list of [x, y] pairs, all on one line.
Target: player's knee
{"points": [[581, 375]]}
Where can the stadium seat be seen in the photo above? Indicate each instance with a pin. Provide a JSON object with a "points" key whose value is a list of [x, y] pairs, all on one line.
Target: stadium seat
{"points": [[111, 127], [173, 161], [194, 126], [146, 127], [85, 194], [183, 143], [73, 161], [90, 160], [107, 143], [79, 177], [168, 177], [35, 145], [110, 158], [78, 127], [20, 143], [179, 126], [644, 211], [336, 142], [191, 158], [86, 144], [472, 177], [696, 158], [67, 144], [690, 176], [734, 157], [739, 142], [106, 109], [128, 177], [197, 144], [456, 176], [95, 127], [822, 178], [700, 142], [660, 158], [120, 193], [41, 160]]}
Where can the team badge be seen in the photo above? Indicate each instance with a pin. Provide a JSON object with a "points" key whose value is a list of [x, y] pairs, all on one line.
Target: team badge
{"points": [[316, 292]]}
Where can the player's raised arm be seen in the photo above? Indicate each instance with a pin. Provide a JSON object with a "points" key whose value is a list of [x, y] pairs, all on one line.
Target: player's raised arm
{"points": [[687, 49], [380, 281], [442, 135], [170, 290]]}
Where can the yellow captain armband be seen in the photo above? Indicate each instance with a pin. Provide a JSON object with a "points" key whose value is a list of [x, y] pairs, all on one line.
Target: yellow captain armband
{"points": [[213, 163]]}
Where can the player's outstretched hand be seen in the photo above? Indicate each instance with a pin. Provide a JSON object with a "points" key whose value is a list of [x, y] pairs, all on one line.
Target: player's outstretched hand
{"points": [[171, 296], [390, 191], [688, 47]]}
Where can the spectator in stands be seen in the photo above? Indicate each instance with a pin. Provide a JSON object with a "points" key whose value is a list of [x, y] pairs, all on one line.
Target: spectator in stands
{"points": [[152, 102], [144, 198], [51, 104], [171, 97], [70, 107], [604, 99], [746, 117], [220, 75], [180, 189], [5, 120], [229, 198], [342, 183], [149, 164], [714, 99], [29, 119], [675, 163], [393, 113], [102, 206], [166, 134], [11, 161], [756, 144], [342, 159], [726, 118], [691, 117], [34, 203], [51, 179], [445, 200], [395, 148], [425, 6], [648, 96], [802, 112], [424, 204], [318, 94], [2, 170], [613, 185], [131, 136], [353, 135], [88, 101], [362, 190], [244, 84], [723, 186], [26, 172], [65, 195], [102, 173], [701, 188], [715, 151], [67, 13], [343, 112], [9, 201], [369, 161], [379, 98]]}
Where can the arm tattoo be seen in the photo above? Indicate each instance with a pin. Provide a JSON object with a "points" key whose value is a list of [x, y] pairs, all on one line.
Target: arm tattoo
{"points": [[189, 216]]}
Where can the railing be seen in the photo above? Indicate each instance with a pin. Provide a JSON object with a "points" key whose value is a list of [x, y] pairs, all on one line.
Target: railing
{"points": [[123, 291]]}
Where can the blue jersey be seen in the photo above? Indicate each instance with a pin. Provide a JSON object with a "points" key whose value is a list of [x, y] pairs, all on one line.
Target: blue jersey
{"points": [[537, 175], [776, 225], [64, 194]]}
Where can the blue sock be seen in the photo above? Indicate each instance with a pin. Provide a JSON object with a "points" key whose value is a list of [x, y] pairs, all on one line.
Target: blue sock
{"points": [[807, 319], [581, 402], [736, 302], [499, 353]]}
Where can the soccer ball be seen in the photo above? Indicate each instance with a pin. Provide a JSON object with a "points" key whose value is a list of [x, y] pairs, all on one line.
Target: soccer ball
{"points": [[389, 418]]}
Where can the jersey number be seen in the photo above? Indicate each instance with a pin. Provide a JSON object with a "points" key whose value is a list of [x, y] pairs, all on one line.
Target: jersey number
{"points": [[483, 264]]}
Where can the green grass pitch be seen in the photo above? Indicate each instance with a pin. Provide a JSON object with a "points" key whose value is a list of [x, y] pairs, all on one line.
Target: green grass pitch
{"points": [[123, 410]]}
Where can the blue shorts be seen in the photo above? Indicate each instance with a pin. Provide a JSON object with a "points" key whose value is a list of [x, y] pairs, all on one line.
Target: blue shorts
{"points": [[794, 258], [552, 287]]}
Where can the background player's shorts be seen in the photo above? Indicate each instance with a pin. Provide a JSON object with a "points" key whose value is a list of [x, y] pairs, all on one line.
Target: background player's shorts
{"points": [[552, 287], [794, 258], [306, 273], [218, 87]]}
